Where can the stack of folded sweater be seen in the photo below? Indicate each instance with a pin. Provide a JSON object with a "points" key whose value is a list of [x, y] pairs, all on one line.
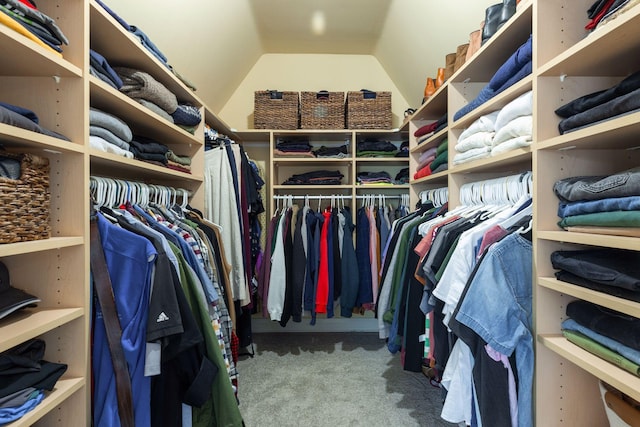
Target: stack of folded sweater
{"points": [[179, 163], [21, 117], [497, 132], [99, 67], [603, 11], [108, 133], [155, 96], [601, 105], [608, 204], [24, 17], [293, 148], [425, 132], [402, 177], [320, 177], [404, 149], [379, 178], [608, 334], [433, 160], [371, 147], [148, 150], [339, 152], [514, 69]]}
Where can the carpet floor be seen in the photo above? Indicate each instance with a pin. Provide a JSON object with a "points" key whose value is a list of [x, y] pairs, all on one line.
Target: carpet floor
{"points": [[332, 379]]}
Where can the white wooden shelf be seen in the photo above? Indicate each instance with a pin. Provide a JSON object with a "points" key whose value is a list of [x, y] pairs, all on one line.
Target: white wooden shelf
{"points": [[63, 389], [29, 323], [503, 162], [619, 304], [608, 372]]}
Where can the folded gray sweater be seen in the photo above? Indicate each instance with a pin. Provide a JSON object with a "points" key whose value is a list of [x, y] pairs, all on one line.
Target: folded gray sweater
{"points": [[140, 85], [108, 121]]}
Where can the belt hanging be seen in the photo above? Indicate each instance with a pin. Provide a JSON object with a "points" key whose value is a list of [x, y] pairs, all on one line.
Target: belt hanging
{"points": [[104, 291]]}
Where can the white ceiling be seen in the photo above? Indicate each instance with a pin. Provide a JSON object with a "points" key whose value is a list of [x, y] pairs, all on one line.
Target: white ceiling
{"points": [[319, 26]]}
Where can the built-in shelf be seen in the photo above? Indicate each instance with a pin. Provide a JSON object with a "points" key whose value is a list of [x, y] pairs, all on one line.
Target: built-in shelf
{"points": [[64, 388], [382, 160], [619, 304], [433, 141], [29, 323], [312, 187], [35, 60], [440, 177], [434, 107], [502, 162], [608, 372], [52, 243], [382, 187], [322, 160], [607, 241], [14, 136]]}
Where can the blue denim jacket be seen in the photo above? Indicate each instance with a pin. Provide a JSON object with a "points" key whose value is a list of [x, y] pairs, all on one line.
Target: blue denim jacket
{"points": [[497, 306]]}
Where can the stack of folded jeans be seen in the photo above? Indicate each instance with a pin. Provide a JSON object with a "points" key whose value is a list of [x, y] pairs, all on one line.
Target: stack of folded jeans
{"points": [[149, 150], [24, 17], [371, 147], [381, 178], [293, 147], [514, 69], [14, 115], [402, 177], [109, 133], [433, 160], [332, 152], [600, 204], [612, 271], [320, 177], [99, 67], [600, 106], [609, 334]]}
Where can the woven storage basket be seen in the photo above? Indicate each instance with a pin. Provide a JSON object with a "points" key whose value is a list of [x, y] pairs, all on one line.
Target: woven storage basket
{"points": [[276, 110], [25, 201], [322, 110], [369, 110]]}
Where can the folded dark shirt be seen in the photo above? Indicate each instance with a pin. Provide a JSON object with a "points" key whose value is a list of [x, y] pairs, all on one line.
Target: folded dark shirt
{"points": [[611, 267], [331, 151], [101, 64], [376, 145], [156, 157], [565, 276], [14, 119], [22, 111], [146, 145]]}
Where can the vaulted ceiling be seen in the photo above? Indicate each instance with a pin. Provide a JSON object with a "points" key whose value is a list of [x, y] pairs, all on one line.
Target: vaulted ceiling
{"points": [[215, 43]]}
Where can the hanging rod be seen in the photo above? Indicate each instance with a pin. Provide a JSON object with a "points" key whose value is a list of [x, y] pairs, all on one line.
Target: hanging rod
{"points": [[336, 196]]}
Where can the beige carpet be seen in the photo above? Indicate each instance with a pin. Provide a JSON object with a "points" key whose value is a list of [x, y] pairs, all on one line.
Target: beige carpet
{"points": [[332, 379]]}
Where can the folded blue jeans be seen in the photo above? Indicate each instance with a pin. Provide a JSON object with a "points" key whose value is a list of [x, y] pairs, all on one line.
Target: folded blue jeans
{"points": [[628, 352], [615, 325], [631, 203], [622, 184]]}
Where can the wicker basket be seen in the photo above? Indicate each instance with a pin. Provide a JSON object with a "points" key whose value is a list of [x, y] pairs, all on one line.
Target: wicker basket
{"points": [[276, 110], [25, 201], [322, 110], [368, 110]]}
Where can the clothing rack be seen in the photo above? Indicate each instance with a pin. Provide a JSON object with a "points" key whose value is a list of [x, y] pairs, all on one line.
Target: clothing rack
{"points": [[337, 196], [114, 192], [497, 191]]}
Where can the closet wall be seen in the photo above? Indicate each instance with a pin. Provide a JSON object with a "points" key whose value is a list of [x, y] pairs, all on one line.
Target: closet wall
{"points": [[310, 72]]}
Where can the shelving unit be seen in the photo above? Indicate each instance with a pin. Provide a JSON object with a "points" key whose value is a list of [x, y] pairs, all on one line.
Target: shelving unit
{"points": [[54, 269], [572, 64]]}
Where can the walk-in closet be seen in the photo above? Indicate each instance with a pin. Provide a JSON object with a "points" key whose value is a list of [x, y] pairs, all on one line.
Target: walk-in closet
{"points": [[333, 213]]}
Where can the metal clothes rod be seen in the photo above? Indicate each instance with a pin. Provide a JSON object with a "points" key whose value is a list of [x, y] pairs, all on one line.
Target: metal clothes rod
{"points": [[337, 196]]}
